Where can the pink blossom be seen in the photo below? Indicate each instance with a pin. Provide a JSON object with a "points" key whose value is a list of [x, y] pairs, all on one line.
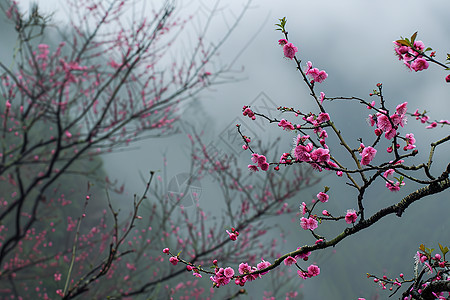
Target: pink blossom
{"points": [[445, 121], [303, 208], [371, 121], [264, 166], [390, 134], [383, 122], [309, 223], [166, 250], [253, 168], [301, 153], [322, 97], [388, 173], [303, 256], [322, 197], [289, 50], [173, 260], [321, 76], [262, 265], [410, 141], [286, 125], [282, 42], [419, 64], [432, 125], [325, 212], [367, 154], [320, 155], [313, 270], [447, 79], [351, 216], [244, 268], [394, 187], [322, 118], [233, 236], [288, 261], [302, 274], [228, 272], [401, 108]]}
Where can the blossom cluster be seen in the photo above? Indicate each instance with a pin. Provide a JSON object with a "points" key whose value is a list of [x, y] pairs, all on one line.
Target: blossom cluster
{"points": [[389, 124], [425, 263], [289, 49], [261, 162], [315, 74], [412, 58]]}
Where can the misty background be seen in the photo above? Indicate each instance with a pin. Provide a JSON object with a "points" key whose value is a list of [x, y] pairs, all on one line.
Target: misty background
{"points": [[352, 41]]}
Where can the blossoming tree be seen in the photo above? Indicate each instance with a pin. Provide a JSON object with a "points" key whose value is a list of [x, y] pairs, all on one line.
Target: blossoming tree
{"points": [[359, 167], [105, 86]]}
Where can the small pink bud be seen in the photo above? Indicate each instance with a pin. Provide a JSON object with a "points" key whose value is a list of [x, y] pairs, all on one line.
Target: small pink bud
{"points": [[166, 250], [378, 132], [173, 260]]}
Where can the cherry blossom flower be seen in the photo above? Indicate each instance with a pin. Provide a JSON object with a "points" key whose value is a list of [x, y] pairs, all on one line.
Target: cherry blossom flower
{"points": [[173, 260], [322, 97], [308, 223], [253, 168], [286, 125], [390, 134], [320, 155], [282, 42], [233, 235], [401, 108], [244, 268], [301, 153], [368, 153], [351, 216], [322, 197], [313, 270], [432, 125], [419, 64], [288, 261], [228, 272], [394, 187], [303, 208], [383, 122], [289, 50], [262, 265], [323, 117]]}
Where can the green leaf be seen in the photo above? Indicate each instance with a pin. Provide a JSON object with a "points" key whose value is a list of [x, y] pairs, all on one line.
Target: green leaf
{"points": [[428, 49], [327, 188], [444, 250], [413, 37], [422, 247], [403, 42]]}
